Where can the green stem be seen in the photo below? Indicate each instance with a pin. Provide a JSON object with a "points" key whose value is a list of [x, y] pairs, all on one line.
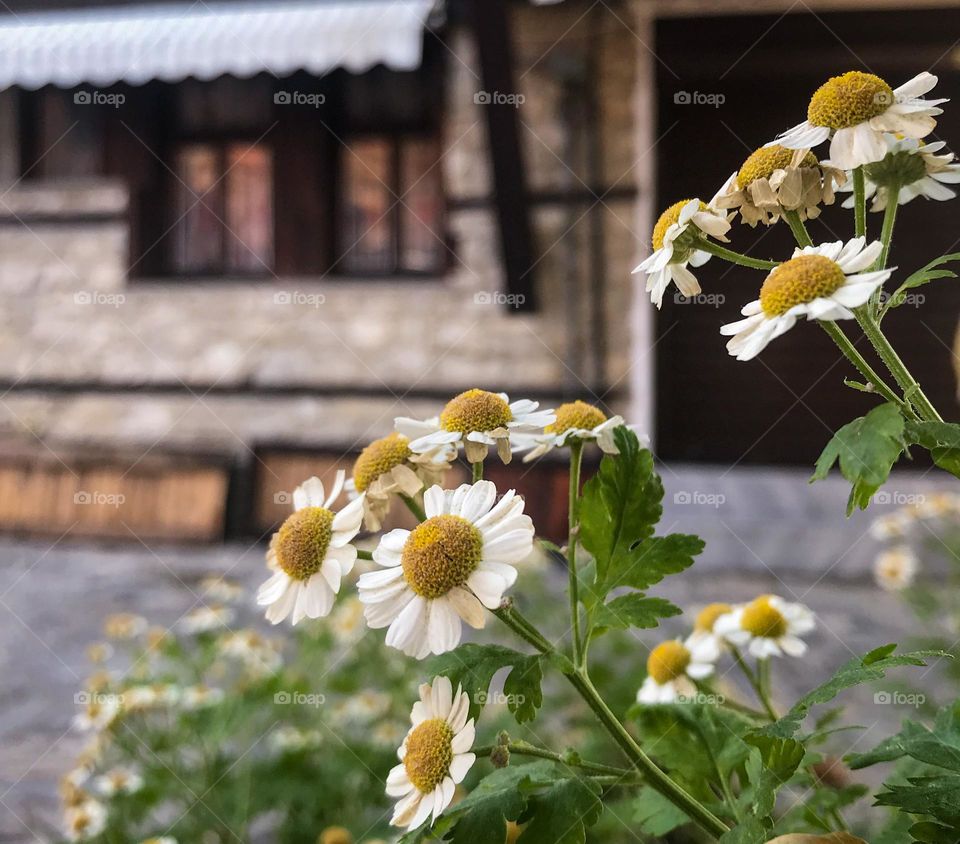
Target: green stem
{"points": [[736, 257], [651, 773], [755, 682], [364, 555], [859, 203], [799, 230], [889, 218], [911, 389], [414, 507], [573, 535], [523, 748], [477, 469], [763, 678], [851, 354]]}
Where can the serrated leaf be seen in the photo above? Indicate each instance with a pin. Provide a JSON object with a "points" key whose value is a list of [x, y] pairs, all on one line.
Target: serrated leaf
{"points": [[749, 831], [928, 832], [941, 439], [939, 747], [866, 448], [472, 666], [632, 610], [560, 813], [922, 276], [938, 797], [481, 817], [771, 763], [871, 666]]}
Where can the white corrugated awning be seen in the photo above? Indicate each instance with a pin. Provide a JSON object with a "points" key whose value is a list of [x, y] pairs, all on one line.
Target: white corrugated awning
{"points": [[104, 46]]}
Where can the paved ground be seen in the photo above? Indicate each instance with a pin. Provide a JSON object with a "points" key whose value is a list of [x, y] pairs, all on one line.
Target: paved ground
{"points": [[765, 530]]}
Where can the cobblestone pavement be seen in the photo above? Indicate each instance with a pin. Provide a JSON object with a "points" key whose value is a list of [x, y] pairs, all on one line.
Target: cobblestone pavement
{"points": [[766, 531]]}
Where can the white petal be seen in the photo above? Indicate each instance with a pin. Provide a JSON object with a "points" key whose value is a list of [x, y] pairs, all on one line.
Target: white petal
{"points": [[398, 783], [273, 588], [467, 607], [463, 740], [441, 696], [309, 494], [460, 766], [488, 587], [337, 488], [408, 631], [284, 605], [478, 501], [510, 547], [433, 501], [443, 628], [916, 87]]}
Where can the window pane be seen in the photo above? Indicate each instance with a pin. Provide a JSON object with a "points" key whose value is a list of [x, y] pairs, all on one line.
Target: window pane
{"points": [[365, 219], [249, 186], [421, 215], [69, 136], [198, 233]]}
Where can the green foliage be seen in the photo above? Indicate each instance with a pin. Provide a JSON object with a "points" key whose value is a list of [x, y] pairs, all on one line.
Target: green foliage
{"points": [[561, 812], [632, 610], [867, 448], [871, 666], [924, 275], [655, 815], [941, 439], [472, 666]]}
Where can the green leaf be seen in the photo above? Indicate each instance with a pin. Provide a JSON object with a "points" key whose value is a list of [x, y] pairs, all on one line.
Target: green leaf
{"points": [[472, 666], [561, 813], [620, 506], [871, 666], [771, 764], [939, 746], [481, 817], [867, 448], [632, 610], [941, 439], [933, 833], [938, 797], [750, 831], [656, 815], [922, 276]]}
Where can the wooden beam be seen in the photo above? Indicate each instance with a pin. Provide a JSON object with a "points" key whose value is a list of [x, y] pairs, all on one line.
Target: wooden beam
{"points": [[491, 26]]}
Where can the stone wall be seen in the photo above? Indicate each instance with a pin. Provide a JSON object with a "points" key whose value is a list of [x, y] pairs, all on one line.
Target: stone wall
{"points": [[209, 358]]}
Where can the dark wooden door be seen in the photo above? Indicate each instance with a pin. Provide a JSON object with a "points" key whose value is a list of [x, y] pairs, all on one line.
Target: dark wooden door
{"points": [[781, 407]]}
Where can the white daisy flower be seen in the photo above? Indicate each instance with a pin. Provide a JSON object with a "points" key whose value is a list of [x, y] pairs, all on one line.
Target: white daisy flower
{"points": [[220, 589], [893, 525], [143, 698], [895, 568], [775, 179], [204, 619], [673, 666], [819, 282], [448, 568], [119, 780], [84, 821], [855, 110], [704, 623], [767, 626], [310, 553], [676, 238], [346, 622], [434, 757], [99, 713], [575, 420], [163, 839], [478, 419], [260, 656], [389, 466], [124, 625], [915, 167], [200, 697], [294, 739]]}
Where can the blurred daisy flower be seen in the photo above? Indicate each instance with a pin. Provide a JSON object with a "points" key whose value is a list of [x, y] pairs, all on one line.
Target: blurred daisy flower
{"points": [[767, 626], [895, 568], [673, 666]]}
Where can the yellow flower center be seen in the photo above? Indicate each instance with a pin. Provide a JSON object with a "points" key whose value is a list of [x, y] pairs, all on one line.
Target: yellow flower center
{"points": [[429, 754], [577, 415], [475, 410], [763, 162], [439, 554], [708, 616], [667, 219], [762, 619], [303, 540], [379, 457], [335, 835], [668, 661], [845, 101], [798, 281]]}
